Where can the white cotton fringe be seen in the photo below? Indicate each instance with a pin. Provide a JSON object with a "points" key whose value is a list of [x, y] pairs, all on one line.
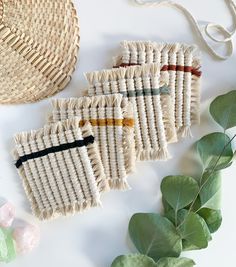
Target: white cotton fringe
{"points": [[56, 184], [185, 86], [153, 114], [115, 142]]}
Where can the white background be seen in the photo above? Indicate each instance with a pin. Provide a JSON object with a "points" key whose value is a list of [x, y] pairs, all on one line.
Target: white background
{"points": [[95, 238]]}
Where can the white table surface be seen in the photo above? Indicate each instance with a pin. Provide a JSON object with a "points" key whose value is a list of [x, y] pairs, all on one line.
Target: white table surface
{"points": [[95, 238]]}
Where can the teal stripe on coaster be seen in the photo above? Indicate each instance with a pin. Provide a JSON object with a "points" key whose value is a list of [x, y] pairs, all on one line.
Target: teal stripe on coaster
{"points": [[148, 92]]}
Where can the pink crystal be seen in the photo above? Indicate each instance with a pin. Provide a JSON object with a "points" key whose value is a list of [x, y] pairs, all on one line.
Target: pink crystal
{"points": [[26, 238], [7, 214]]}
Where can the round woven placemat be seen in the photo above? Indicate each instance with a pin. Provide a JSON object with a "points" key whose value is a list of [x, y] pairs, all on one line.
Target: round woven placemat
{"points": [[39, 42]]}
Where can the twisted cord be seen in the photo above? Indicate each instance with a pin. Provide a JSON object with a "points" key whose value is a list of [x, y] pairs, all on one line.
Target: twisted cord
{"points": [[228, 39]]}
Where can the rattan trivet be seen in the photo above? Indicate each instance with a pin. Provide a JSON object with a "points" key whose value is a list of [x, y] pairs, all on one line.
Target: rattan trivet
{"points": [[112, 119], [153, 113], [39, 43], [60, 167], [182, 62]]}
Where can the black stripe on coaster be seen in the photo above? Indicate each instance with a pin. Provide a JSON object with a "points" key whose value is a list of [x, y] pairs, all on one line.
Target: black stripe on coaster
{"points": [[78, 143]]}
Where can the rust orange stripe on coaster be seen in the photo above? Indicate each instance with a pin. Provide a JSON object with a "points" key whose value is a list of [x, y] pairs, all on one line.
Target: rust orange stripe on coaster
{"points": [[109, 122], [194, 71]]}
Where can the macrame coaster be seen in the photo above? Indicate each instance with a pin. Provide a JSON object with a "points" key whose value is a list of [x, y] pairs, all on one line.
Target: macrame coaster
{"points": [[183, 65], [153, 113], [39, 41], [60, 167], [112, 119]]}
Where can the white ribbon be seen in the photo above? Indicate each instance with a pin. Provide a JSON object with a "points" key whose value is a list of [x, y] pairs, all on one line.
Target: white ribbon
{"points": [[228, 35]]}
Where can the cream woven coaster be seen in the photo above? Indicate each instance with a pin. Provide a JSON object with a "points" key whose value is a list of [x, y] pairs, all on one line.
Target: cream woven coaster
{"points": [[153, 112], [183, 65], [60, 167], [39, 43], [112, 119]]}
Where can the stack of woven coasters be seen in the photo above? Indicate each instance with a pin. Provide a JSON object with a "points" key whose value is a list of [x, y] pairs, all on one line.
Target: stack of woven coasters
{"points": [[86, 148], [131, 112], [111, 117], [145, 87]]}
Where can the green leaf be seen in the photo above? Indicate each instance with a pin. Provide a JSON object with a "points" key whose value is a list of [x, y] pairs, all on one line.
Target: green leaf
{"points": [[133, 260], [193, 230], [210, 194], [154, 236], [175, 262], [187, 246], [179, 191], [223, 110], [7, 248], [213, 218], [210, 148], [166, 206]]}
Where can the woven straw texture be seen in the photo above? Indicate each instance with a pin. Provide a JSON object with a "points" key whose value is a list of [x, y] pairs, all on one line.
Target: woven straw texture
{"points": [[112, 119], [62, 182], [154, 119], [183, 65], [39, 43]]}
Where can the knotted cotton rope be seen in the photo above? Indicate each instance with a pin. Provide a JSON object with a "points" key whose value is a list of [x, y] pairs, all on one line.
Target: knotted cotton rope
{"points": [[153, 112], [60, 167], [182, 64], [112, 119]]}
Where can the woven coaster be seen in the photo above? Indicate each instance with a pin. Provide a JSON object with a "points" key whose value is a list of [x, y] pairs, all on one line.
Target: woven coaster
{"points": [[153, 113], [60, 167], [183, 65], [112, 119], [39, 43]]}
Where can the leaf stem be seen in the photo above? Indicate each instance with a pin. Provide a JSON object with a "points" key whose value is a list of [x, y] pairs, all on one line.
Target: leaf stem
{"points": [[207, 179]]}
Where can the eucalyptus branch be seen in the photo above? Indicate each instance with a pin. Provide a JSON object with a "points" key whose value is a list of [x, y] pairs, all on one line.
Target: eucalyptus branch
{"points": [[160, 237], [207, 179]]}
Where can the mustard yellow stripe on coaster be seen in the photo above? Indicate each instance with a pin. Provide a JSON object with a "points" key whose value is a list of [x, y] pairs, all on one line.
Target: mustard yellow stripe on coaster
{"points": [[146, 88], [113, 125], [109, 122]]}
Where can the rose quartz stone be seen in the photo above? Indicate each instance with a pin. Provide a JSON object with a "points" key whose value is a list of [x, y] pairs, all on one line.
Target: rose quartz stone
{"points": [[26, 237], [7, 214]]}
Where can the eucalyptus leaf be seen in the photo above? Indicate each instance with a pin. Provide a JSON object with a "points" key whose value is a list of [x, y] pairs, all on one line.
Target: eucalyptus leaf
{"points": [[210, 148], [182, 215], [223, 110], [133, 260], [213, 218], [172, 216], [154, 236], [187, 246], [193, 230], [210, 194], [179, 191], [175, 262], [166, 206], [7, 247]]}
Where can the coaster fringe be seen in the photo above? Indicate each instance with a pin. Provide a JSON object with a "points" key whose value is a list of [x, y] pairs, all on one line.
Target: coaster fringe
{"points": [[128, 138], [128, 73], [26, 186], [152, 155], [119, 184], [185, 132], [196, 94], [25, 137], [96, 163]]}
